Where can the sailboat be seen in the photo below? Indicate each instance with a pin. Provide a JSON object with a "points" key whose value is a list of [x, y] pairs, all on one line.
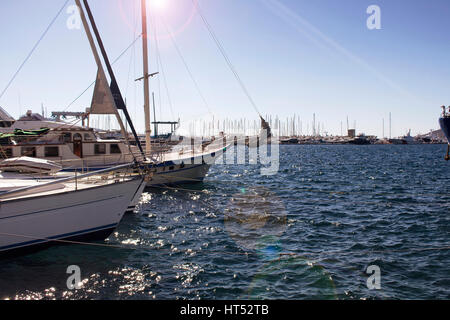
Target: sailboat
{"points": [[444, 122], [36, 211], [45, 208], [78, 148], [183, 165]]}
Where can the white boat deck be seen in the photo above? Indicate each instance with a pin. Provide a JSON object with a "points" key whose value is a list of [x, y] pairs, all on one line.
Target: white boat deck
{"points": [[185, 152], [14, 181]]}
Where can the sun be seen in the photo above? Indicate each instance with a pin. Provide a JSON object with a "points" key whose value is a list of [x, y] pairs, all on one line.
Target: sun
{"points": [[158, 4]]}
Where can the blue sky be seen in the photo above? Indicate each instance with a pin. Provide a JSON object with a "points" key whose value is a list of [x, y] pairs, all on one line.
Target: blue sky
{"points": [[295, 56]]}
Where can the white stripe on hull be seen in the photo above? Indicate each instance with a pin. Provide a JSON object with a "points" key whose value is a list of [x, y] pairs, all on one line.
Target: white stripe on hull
{"points": [[31, 221]]}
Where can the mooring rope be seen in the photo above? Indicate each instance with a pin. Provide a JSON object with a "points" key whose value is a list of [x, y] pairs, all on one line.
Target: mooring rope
{"points": [[280, 254]]}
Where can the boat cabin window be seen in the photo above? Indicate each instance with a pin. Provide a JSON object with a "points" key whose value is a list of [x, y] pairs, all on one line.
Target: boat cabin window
{"points": [[67, 137], [6, 153], [77, 137], [51, 151], [100, 149], [88, 137], [5, 124], [28, 152], [115, 149]]}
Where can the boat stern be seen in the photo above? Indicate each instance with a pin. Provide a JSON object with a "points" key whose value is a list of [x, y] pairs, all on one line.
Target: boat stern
{"points": [[445, 126]]}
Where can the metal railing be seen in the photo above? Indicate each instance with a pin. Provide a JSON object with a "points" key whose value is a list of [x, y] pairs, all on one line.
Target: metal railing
{"points": [[116, 174]]}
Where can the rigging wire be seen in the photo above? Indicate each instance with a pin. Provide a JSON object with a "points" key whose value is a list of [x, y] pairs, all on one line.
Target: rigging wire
{"points": [[33, 49], [172, 37], [158, 65], [117, 59], [132, 56], [161, 65], [225, 56]]}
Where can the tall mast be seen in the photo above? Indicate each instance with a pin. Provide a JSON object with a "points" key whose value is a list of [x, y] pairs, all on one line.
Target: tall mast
{"points": [[390, 125], [148, 130]]}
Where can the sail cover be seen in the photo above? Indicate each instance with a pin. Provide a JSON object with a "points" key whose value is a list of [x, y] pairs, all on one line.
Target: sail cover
{"points": [[266, 126], [30, 165], [102, 101]]}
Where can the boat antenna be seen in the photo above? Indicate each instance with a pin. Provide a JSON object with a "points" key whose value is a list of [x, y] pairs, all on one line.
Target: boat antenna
{"points": [[120, 103]]}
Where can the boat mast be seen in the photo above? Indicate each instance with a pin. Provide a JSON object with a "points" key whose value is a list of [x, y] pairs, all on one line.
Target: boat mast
{"points": [[148, 130]]}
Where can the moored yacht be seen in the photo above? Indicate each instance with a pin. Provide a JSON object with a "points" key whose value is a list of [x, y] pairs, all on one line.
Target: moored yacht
{"points": [[77, 148], [80, 148], [444, 122], [40, 205], [39, 209]]}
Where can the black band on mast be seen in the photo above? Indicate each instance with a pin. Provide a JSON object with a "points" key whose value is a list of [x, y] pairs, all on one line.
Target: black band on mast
{"points": [[114, 86]]}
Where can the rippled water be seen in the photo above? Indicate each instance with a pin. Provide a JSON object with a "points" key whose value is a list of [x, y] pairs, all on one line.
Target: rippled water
{"points": [[309, 232]]}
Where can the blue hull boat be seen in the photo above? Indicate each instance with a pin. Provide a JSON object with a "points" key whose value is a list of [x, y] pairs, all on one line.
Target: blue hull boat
{"points": [[444, 122], [445, 126]]}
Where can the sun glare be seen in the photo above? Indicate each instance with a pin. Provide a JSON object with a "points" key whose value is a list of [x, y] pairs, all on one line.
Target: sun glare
{"points": [[158, 4]]}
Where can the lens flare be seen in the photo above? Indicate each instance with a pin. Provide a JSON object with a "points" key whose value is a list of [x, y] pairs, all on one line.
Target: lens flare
{"points": [[255, 219], [177, 17]]}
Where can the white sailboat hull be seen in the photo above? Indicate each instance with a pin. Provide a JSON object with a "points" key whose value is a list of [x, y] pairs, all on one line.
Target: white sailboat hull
{"points": [[137, 197], [191, 170], [90, 213], [188, 174]]}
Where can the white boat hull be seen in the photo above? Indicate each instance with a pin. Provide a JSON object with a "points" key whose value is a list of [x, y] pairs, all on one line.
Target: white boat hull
{"points": [[89, 213], [191, 170], [176, 174], [137, 197]]}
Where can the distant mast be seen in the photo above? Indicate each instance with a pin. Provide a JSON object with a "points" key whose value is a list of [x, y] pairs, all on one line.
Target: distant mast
{"points": [[155, 127], [390, 125]]}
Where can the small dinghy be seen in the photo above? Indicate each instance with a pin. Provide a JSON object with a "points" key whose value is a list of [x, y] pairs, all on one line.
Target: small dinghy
{"points": [[29, 165]]}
